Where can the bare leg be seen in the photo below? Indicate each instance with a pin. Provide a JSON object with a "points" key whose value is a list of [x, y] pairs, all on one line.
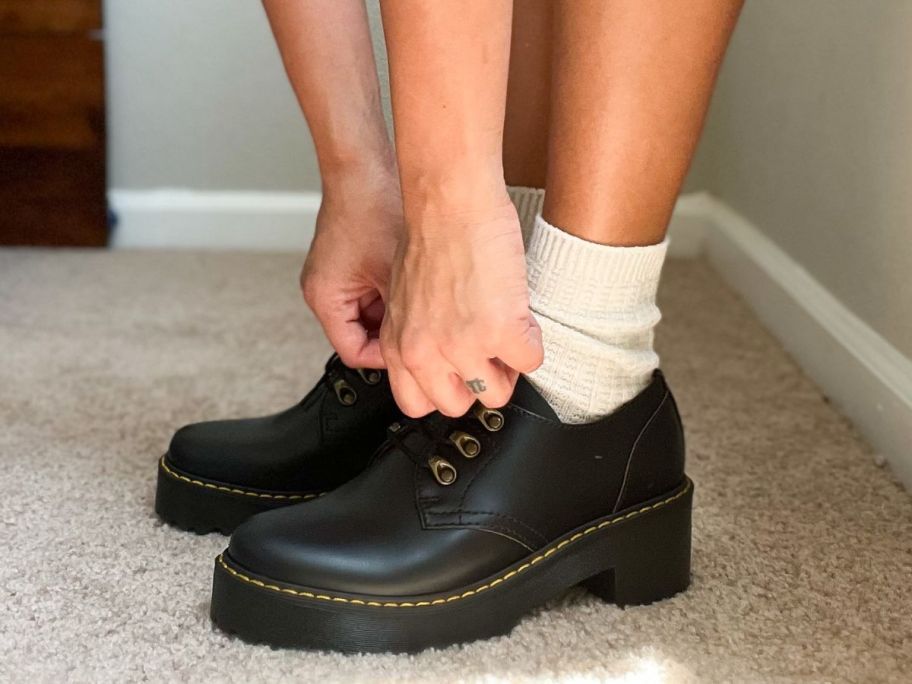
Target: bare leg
{"points": [[631, 82], [525, 145], [631, 85], [326, 47]]}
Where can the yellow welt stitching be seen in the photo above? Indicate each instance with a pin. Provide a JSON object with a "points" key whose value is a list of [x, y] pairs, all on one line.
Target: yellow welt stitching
{"points": [[234, 490], [455, 597]]}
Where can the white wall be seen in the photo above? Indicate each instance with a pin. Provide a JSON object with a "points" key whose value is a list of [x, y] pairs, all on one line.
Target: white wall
{"points": [[197, 98], [810, 138]]}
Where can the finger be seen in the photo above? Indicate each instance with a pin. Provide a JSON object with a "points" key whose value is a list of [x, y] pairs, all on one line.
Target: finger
{"points": [[351, 340], [407, 393], [442, 384], [490, 381], [372, 310], [523, 352]]}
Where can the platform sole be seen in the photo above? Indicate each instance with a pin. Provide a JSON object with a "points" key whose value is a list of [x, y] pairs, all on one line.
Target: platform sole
{"points": [[634, 557], [196, 504]]}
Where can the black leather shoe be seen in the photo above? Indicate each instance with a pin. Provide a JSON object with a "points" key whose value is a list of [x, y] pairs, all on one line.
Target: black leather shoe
{"points": [[217, 474], [461, 526]]}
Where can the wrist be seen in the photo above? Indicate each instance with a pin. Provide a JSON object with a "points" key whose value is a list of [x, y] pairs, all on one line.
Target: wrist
{"points": [[367, 167], [452, 195], [461, 225], [364, 178]]}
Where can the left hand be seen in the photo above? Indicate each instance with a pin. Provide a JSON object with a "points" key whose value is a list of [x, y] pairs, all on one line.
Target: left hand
{"points": [[346, 274]]}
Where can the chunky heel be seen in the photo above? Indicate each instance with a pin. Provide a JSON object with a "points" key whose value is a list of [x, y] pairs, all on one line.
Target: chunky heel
{"points": [[651, 557]]}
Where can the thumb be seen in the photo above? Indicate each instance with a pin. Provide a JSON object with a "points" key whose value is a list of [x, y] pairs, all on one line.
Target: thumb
{"points": [[524, 352]]}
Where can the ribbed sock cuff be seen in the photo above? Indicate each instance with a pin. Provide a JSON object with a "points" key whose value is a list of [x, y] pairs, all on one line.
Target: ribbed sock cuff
{"points": [[568, 273]]}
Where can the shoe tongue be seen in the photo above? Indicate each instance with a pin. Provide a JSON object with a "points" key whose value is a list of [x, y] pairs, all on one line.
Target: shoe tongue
{"points": [[527, 397]]}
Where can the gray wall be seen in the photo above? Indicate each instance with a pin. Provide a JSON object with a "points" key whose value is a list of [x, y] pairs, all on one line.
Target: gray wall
{"points": [[197, 98], [810, 137]]}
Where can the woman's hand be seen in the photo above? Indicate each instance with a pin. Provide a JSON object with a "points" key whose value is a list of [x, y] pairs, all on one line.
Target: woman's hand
{"points": [[346, 274], [458, 326]]}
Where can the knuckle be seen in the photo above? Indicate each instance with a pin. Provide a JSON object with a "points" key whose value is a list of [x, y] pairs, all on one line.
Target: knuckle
{"points": [[535, 360], [454, 340], [414, 356], [311, 292], [498, 397], [413, 409], [454, 408]]}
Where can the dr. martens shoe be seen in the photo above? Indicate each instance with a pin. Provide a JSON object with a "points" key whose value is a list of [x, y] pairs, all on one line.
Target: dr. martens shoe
{"points": [[459, 527], [217, 474]]}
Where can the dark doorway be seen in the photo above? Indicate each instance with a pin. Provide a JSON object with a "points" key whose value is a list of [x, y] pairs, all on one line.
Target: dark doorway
{"points": [[52, 133]]}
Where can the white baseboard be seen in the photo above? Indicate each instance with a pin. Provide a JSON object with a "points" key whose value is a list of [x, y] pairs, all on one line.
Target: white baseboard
{"points": [[865, 377], [279, 221], [192, 219], [690, 225]]}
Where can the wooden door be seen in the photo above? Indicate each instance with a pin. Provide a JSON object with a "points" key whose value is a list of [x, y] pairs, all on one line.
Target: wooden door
{"points": [[52, 137]]}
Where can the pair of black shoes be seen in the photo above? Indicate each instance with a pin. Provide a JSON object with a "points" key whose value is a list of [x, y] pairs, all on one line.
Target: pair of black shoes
{"points": [[438, 530]]}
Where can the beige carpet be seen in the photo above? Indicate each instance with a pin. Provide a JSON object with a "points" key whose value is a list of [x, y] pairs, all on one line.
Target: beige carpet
{"points": [[802, 562]]}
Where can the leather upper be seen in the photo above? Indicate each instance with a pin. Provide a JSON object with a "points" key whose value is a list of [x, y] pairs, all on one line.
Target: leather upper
{"points": [[313, 446], [396, 531]]}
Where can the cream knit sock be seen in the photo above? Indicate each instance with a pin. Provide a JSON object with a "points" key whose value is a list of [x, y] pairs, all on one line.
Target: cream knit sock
{"points": [[528, 203], [596, 307]]}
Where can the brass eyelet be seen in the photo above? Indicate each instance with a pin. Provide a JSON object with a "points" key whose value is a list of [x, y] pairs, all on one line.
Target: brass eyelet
{"points": [[345, 392], [492, 419], [443, 470], [370, 376], [468, 446]]}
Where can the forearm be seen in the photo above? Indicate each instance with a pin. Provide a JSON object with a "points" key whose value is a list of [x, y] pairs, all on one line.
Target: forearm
{"points": [[326, 48], [448, 75]]}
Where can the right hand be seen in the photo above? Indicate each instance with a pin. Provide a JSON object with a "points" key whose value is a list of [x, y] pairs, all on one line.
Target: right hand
{"points": [[346, 275], [458, 325]]}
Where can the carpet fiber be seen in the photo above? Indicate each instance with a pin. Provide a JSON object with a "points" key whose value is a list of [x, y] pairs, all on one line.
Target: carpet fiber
{"points": [[802, 560]]}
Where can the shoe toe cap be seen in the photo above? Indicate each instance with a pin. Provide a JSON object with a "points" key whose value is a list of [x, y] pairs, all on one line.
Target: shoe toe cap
{"points": [[195, 448], [317, 546]]}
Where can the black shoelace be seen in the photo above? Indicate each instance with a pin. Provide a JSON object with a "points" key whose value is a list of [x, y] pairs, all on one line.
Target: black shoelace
{"points": [[436, 435]]}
